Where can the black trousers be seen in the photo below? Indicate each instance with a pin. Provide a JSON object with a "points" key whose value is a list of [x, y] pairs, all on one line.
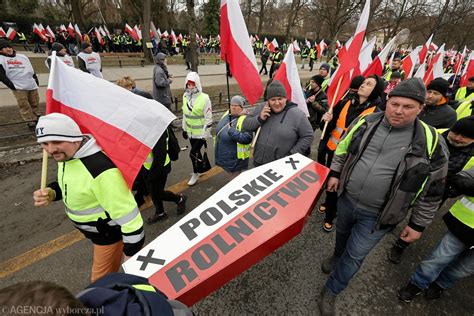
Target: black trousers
{"points": [[195, 153], [264, 68], [325, 156], [156, 184]]}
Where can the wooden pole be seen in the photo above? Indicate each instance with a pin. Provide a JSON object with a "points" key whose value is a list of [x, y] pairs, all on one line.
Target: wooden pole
{"points": [[332, 105], [44, 170], [254, 141]]}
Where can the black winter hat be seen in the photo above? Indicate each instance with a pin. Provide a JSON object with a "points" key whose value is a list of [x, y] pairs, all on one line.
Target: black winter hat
{"points": [[412, 88], [4, 43], [396, 75], [57, 47], [378, 89], [275, 89], [325, 66], [85, 45], [439, 84], [318, 79], [464, 127], [356, 82]]}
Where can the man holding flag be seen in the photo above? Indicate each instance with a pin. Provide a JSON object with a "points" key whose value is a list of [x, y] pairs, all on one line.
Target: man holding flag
{"points": [[95, 194]]}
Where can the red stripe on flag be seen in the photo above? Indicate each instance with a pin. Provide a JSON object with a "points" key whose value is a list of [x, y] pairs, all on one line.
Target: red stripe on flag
{"points": [[282, 76], [122, 148], [375, 68], [285, 223], [241, 67]]}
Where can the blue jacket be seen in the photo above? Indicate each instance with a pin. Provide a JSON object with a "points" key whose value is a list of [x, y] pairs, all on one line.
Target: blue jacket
{"points": [[226, 145]]}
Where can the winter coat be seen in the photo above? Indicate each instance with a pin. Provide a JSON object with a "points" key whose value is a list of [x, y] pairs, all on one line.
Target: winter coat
{"points": [[414, 169], [161, 86], [226, 145], [282, 134]]}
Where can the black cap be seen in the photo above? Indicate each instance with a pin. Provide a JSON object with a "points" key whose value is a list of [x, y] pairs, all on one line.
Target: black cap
{"points": [[57, 46], [412, 88], [318, 79], [439, 84], [464, 127], [85, 45], [396, 75], [4, 43]]}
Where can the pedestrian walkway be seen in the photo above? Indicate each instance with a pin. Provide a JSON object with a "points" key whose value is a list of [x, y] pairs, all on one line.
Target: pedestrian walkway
{"points": [[211, 75]]}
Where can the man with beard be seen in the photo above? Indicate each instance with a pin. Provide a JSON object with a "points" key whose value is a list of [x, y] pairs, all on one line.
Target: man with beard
{"points": [[437, 112], [95, 194]]}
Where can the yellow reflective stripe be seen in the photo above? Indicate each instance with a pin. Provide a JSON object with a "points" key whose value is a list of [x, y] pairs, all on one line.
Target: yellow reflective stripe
{"points": [[126, 218], [144, 287], [463, 210], [132, 239], [90, 211], [469, 164]]}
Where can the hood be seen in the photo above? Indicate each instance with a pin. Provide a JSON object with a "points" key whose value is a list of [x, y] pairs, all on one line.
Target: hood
{"points": [[88, 147], [193, 76]]}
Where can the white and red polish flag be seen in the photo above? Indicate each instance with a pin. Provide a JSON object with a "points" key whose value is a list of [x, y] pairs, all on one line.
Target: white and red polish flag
{"points": [[70, 29], [37, 31], [468, 71], [435, 69], [2, 32], [131, 31], [349, 60], [99, 36], [296, 47], [237, 51], [63, 28], [338, 44], [78, 31], [344, 48], [11, 33], [459, 60], [125, 125], [424, 50], [365, 56], [273, 44], [50, 32], [321, 47], [137, 31], [288, 75], [409, 62], [378, 64]]}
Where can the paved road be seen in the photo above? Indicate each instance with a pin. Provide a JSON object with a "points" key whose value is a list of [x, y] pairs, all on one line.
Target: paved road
{"points": [[286, 282]]}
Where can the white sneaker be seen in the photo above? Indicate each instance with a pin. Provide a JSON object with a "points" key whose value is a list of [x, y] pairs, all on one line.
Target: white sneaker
{"points": [[194, 178]]}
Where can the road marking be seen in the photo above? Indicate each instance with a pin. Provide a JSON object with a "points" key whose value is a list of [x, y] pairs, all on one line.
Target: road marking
{"points": [[51, 247]]}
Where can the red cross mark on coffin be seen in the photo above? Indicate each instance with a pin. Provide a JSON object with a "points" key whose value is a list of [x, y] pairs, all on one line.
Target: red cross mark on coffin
{"points": [[236, 227]]}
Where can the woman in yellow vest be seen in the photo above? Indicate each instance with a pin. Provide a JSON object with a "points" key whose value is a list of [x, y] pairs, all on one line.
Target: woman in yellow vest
{"points": [[197, 120], [453, 257], [232, 145], [366, 101]]}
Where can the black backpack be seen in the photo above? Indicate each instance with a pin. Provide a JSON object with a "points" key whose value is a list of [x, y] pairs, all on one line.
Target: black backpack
{"points": [[173, 145]]}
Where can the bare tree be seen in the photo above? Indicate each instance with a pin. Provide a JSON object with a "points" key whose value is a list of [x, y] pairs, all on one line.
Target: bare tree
{"points": [[192, 35], [261, 15], [334, 14], [292, 16], [440, 17]]}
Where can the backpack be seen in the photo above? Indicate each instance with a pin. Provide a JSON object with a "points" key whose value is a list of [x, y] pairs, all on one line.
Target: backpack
{"points": [[173, 145]]}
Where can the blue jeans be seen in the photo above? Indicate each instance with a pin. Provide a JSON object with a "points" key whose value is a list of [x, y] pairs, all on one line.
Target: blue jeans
{"points": [[450, 261], [355, 237]]}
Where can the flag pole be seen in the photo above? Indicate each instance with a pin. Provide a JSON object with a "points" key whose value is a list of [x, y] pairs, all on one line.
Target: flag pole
{"points": [[44, 170], [332, 105], [227, 72]]}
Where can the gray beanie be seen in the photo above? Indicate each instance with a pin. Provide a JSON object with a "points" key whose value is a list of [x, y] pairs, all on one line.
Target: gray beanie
{"points": [[160, 56], [412, 88], [275, 89], [57, 47], [237, 100]]}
